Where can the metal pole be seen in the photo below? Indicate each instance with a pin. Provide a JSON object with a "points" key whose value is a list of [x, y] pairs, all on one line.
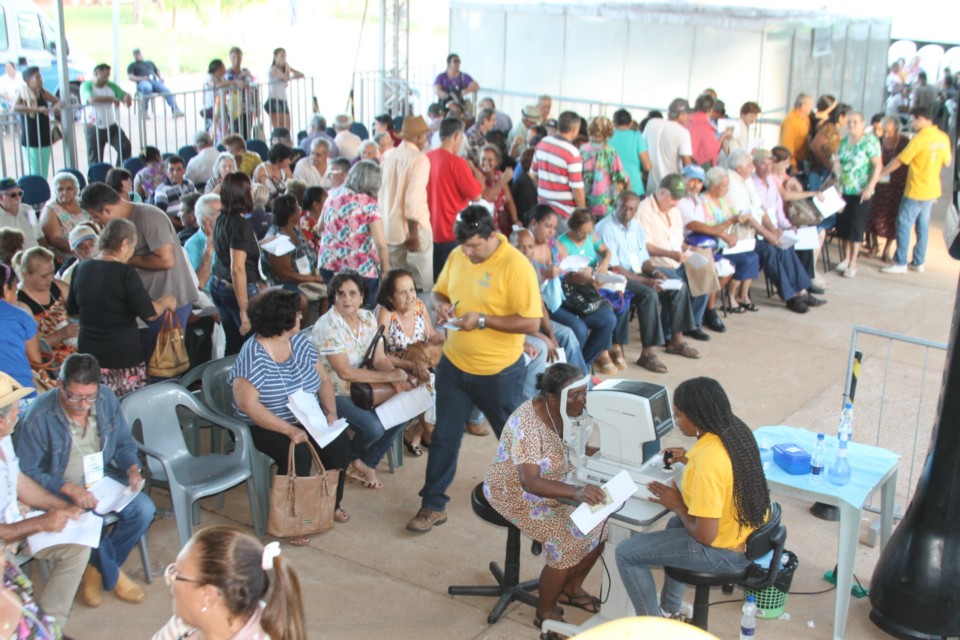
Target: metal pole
{"points": [[69, 148], [116, 41]]}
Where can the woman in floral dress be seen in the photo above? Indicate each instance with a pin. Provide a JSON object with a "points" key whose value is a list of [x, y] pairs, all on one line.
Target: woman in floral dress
{"points": [[603, 174], [61, 215], [525, 481], [885, 203], [353, 237]]}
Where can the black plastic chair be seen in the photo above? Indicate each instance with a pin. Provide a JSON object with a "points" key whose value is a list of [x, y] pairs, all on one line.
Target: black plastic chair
{"points": [[36, 190], [187, 152], [133, 165], [770, 537], [97, 172], [508, 587]]}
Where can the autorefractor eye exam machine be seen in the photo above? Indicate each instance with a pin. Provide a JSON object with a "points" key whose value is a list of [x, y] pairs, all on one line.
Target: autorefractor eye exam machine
{"points": [[631, 416]]}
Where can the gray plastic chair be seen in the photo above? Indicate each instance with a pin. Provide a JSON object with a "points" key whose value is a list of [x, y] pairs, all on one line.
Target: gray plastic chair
{"points": [[152, 415], [218, 396]]}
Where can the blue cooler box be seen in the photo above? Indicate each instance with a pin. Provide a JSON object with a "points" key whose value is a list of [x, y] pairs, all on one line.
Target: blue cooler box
{"points": [[791, 458]]}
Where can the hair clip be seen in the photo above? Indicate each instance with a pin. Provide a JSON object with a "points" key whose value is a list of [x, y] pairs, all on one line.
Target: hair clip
{"points": [[270, 551]]}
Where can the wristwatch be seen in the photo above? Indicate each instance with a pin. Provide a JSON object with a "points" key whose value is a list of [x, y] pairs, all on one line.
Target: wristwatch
{"points": [[482, 321]]}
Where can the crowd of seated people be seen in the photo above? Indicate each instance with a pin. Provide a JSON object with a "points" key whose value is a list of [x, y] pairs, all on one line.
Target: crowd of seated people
{"points": [[567, 240]]}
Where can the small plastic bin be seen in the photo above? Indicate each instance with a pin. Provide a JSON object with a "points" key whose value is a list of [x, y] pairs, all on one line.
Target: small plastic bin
{"points": [[791, 458], [773, 600]]}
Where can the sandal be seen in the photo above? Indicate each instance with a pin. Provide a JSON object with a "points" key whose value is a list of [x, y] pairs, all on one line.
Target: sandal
{"points": [[341, 516], [652, 364], [353, 474], [683, 349], [414, 449], [299, 541], [548, 635], [585, 601], [737, 309], [749, 306]]}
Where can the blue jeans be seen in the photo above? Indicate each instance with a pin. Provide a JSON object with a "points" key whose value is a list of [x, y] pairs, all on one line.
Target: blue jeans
{"points": [[148, 336], [567, 339], [497, 395], [594, 332], [913, 213], [225, 298], [672, 547], [116, 545], [536, 366], [149, 87], [370, 441]]}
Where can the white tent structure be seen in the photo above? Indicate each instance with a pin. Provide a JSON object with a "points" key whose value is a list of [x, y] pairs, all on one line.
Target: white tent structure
{"points": [[594, 57]]}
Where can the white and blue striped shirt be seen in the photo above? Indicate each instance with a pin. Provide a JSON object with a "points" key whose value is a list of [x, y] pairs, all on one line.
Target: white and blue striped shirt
{"points": [[277, 380]]}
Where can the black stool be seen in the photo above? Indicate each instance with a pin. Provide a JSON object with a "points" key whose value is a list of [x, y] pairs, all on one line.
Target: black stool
{"points": [[770, 537], [508, 587]]}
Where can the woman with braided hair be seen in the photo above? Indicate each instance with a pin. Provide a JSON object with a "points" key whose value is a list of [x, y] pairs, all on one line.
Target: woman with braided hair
{"points": [[722, 500]]}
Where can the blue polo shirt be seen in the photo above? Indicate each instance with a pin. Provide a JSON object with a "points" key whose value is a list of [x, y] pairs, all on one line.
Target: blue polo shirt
{"points": [[16, 327]]}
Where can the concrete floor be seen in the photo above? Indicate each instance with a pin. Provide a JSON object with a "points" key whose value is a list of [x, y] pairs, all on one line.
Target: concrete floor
{"points": [[370, 578]]}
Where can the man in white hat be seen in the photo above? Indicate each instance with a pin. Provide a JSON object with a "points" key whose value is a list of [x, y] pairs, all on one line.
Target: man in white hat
{"points": [[517, 139], [405, 171], [83, 243], [67, 561]]}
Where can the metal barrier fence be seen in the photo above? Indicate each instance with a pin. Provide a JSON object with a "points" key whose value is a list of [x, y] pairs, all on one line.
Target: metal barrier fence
{"points": [[898, 413], [111, 133]]}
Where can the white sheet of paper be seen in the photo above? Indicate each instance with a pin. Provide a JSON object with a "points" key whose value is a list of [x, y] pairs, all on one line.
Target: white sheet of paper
{"points": [[611, 281], [620, 488], [83, 531], [574, 263], [671, 284], [724, 268], [404, 407], [801, 239], [279, 246], [742, 246], [450, 326], [697, 260], [831, 203], [561, 355], [112, 495], [308, 411]]}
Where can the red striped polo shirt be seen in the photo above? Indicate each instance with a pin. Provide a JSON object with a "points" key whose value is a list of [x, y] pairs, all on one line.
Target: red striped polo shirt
{"points": [[559, 169]]}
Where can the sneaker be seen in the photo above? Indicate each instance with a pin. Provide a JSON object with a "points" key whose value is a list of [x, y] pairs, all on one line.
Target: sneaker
{"points": [[894, 269], [426, 520], [916, 267], [842, 266], [850, 273]]}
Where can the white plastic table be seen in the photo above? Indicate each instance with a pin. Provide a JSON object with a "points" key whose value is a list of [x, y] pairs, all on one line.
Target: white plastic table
{"points": [[872, 467]]}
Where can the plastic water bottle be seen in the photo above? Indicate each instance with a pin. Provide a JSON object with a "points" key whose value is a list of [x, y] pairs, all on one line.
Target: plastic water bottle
{"points": [[817, 459], [748, 623], [766, 454], [840, 471], [846, 422]]}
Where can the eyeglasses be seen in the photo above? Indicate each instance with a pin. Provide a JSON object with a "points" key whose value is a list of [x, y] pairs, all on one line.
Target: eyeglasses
{"points": [[78, 399], [14, 194], [171, 575]]}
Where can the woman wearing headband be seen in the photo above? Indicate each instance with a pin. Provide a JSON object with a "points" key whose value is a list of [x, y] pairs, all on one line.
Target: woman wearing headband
{"points": [[225, 584], [525, 482]]}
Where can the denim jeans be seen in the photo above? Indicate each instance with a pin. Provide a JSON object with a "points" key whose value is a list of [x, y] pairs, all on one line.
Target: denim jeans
{"points": [[370, 440], [913, 213], [567, 340], [497, 395], [149, 87], [594, 332], [226, 300], [672, 547], [116, 545], [535, 367]]}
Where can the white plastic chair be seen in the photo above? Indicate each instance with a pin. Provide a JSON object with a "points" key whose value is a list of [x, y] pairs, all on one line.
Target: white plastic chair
{"points": [[152, 415]]}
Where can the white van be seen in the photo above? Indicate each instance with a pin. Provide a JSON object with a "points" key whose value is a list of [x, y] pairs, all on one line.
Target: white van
{"points": [[29, 39]]}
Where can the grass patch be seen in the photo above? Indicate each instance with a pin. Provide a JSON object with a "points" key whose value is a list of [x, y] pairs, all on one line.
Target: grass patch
{"points": [[187, 49]]}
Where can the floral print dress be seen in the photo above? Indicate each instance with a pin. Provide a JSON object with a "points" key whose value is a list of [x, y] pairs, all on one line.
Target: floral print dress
{"points": [[346, 240], [527, 440], [603, 178]]}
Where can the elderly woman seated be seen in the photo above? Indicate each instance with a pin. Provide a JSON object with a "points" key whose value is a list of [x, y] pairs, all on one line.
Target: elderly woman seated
{"points": [[45, 298], [276, 363], [525, 483], [61, 215], [225, 164], [716, 218], [275, 171], [342, 336]]}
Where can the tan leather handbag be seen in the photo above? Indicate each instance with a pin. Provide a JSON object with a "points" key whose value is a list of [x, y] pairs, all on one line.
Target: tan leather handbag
{"points": [[302, 505], [170, 356]]}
